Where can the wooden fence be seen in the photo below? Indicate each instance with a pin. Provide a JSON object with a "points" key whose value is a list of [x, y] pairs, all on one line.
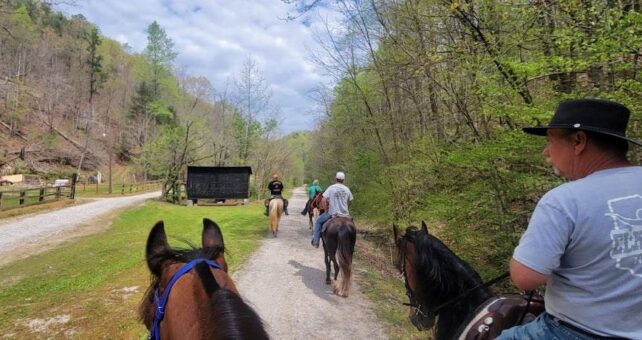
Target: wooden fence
{"points": [[30, 196], [17, 198], [117, 188]]}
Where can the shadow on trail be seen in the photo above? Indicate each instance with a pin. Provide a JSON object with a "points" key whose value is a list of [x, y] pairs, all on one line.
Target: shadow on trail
{"points": [[314, 279]]}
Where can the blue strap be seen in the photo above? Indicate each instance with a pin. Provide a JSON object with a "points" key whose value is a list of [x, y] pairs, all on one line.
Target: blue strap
{"points": [[162, 302]]}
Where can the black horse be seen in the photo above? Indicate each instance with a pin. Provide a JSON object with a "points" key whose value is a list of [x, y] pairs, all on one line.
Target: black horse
{"points": [[442, 286], [339, 234]]}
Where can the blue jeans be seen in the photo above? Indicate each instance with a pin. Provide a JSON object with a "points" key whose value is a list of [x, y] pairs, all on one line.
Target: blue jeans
{"points": [[544, 327], [316, 232]]}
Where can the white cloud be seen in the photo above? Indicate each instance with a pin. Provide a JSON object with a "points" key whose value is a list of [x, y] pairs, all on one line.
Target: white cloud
{"points": [[215, 37]]}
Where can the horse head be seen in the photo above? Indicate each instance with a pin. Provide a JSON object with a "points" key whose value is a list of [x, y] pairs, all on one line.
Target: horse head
{"points": [[434, 276], [405, 263], [191, 295]]}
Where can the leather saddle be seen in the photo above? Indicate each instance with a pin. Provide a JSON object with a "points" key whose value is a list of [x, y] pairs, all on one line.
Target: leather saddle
{"points": [[500, 313], [332, 218]]}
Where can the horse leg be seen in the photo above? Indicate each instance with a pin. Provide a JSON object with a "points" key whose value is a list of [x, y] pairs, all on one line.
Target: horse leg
{"points": [[326, 257], [336, 267]]}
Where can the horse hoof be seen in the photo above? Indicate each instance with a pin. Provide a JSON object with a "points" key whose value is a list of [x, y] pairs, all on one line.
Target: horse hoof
{"points": [[328, 282]]}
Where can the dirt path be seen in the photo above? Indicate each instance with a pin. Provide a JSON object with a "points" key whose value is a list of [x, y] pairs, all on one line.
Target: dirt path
{"points": [[285, 282], [24, 236]]}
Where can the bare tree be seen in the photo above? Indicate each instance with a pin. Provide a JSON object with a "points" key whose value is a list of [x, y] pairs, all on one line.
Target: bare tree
{"points": [[253, 98]]}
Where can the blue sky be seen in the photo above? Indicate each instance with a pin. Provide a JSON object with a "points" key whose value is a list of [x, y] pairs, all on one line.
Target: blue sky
{"points": [[214, 38]]}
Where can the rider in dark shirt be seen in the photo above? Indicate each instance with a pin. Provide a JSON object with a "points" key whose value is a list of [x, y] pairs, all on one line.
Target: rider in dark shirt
{"points": [[276, 190]]}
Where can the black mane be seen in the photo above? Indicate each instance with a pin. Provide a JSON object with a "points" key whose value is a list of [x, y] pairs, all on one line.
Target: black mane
{"points": [[441, 276]]}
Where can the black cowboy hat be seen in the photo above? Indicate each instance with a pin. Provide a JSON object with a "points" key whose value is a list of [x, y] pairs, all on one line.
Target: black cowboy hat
{"points": [[596, 115]]}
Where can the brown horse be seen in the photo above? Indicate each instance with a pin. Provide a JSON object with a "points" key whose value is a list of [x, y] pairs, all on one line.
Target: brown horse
{"points": [[339, 234], [191, 296], [442, 286], [314, 210], [276, 210]]}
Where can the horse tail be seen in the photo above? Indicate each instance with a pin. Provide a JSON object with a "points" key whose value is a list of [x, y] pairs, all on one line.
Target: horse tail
{"points": [[346, 239], [276, 208]]}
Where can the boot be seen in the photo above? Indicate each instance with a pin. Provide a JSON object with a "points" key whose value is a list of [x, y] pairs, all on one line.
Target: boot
{"points": [[285, 210], [266, 211]]}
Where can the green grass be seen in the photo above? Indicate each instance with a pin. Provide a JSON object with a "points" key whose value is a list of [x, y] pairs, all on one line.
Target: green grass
{"points": [[385, 288], [87, 279]]}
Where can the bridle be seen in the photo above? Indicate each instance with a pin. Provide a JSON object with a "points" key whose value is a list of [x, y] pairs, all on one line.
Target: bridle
{"points": [[431, 314], [162, 301], [419, 311]]}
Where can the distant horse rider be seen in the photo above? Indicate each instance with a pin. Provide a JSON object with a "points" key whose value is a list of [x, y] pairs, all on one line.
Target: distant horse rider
{"points": [[276, 191], [338, 197], [312, 190]]}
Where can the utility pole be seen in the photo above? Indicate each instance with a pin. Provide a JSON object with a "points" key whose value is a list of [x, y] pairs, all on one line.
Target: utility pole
{"points": [[109, 152]]}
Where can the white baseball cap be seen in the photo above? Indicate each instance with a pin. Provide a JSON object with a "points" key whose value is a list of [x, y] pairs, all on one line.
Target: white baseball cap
{"points": [[340, 175]]}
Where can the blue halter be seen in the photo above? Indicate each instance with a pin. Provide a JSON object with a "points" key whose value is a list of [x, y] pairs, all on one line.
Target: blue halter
{"points": [[162, 302]]}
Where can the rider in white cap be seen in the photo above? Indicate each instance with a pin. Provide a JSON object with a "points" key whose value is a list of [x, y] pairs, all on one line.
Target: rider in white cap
{"points": [[338, 197]]}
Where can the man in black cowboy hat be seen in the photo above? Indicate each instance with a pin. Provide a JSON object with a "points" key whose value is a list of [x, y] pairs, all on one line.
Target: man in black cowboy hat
{"points": [[584, 239]]}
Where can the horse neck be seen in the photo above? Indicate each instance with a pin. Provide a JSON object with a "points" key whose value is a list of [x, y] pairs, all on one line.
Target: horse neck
{"points": [[193, 313], [456, 278], [452, 317]]}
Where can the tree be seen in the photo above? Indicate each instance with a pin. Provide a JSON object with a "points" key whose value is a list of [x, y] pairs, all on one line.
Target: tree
{"points": [[168, 155], [96, 79], [254, 102], [160, 54]]}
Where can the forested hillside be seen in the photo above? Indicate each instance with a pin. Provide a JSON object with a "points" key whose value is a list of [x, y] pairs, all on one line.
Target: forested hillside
{"points": [[431, 96], [74, 100]]}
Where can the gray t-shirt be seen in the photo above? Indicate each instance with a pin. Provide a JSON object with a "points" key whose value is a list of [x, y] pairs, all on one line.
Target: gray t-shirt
{"points": [[338, 196], [586, 235]]}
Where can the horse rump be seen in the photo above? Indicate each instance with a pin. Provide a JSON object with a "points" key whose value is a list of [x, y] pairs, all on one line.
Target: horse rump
{"points": [[339, 240]]}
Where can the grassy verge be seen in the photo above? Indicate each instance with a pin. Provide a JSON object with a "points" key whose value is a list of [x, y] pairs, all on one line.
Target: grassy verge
{"points": [[384, 288], [30, 209], [91, 288]]}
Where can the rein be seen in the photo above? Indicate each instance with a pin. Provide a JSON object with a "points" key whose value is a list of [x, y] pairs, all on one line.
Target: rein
{"points": [[162, 302], [436, 310]]}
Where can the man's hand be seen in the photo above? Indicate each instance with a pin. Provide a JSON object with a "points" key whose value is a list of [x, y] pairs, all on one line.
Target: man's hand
{"points": [[525, 278]]}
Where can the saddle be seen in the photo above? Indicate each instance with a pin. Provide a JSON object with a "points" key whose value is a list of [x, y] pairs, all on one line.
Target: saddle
{"points": [[332, 218], [500, 313]]}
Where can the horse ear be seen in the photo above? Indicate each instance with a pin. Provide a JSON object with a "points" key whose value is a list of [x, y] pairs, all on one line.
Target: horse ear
{"points": [[212, 235], [156, 243], [424, 227], [395, 232]]}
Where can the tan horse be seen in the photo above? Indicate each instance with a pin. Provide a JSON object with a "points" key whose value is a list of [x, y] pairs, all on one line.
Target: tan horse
{"points": [[276, 210]]}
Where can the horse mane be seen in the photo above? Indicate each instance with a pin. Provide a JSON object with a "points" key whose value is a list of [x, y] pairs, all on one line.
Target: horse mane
{"points": [[237, 319], [441, 276]]}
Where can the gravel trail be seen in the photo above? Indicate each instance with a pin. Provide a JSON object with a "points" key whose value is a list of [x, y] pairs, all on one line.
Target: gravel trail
{"points": [[285, 282], [26, 235]]}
